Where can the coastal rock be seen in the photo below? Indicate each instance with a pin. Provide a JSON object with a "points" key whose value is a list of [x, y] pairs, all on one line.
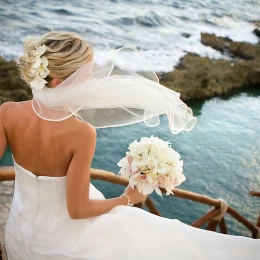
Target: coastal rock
{"points": [[12, 88], [256, 23], [186, 35], [257, 32], [213, 41], [200, 77], [242, 50]]}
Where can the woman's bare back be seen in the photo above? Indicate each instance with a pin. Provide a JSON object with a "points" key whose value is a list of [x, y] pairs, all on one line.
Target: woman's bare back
{"points": [[43, 147]]}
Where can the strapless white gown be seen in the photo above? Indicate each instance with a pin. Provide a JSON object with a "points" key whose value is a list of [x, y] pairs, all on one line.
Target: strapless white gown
{"points": [[39, 228]]}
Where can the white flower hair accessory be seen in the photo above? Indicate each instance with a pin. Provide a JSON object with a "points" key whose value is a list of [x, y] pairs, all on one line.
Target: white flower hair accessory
{"points": [[38, 70]]}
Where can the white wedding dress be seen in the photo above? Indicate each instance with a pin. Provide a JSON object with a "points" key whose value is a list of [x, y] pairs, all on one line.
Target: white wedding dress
{"points": [[39, 228]]}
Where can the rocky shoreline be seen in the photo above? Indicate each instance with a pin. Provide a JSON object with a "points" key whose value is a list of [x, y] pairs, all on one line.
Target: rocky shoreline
{"points": [[12, 88], [194, 77], [198, 77]]}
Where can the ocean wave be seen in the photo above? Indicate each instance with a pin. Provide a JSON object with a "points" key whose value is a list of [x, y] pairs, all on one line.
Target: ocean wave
{"points": [[62, 11], [149, 19], [156, 27]]}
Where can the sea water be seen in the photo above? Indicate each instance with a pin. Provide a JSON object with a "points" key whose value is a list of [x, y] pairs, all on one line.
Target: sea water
{"points": [[221, 154], [155, 27], [221, 157]]}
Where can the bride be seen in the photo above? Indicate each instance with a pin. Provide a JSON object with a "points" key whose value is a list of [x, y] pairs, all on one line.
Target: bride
{"points": [[56, 212]]}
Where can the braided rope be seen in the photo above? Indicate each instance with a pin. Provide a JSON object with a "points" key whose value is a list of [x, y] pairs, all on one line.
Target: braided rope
{"points": [[223, 210]]}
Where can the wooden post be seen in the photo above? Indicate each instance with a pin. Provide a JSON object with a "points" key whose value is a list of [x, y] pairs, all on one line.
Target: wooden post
{"points": [[258, 221], [205, 218], [138, 205], [223, 226], [150, 205], [256, 194], [212, 225], [242, 220], [141, 204], [254, 234]]}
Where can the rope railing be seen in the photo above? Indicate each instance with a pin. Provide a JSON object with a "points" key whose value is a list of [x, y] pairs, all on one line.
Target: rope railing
{"points": [[222, 226], [214, 217]]}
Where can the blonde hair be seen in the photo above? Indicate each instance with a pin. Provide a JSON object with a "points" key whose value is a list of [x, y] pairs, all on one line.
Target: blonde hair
{"points": [[65, 51]]}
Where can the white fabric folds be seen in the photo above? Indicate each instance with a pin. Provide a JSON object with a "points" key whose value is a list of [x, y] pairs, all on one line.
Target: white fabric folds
{"points": [[114, 94], [40, 228]]}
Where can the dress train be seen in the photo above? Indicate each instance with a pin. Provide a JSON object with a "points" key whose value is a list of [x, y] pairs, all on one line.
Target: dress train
{"points": [[39, 228]]}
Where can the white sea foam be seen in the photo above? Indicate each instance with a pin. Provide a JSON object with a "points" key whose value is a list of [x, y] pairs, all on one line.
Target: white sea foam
{"points": [[154, 27]]}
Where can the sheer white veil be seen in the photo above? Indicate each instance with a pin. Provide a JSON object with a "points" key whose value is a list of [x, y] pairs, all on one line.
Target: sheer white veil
{"points": [[114, 94]]}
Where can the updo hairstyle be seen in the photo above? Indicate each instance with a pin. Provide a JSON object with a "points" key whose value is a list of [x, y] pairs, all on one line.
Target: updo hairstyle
{"points": [[65, 51]]}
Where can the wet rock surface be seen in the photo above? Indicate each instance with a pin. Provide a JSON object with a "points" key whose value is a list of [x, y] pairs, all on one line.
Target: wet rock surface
{"points": [[198, 77], [242, 50], [12, 88], [257, 32]]}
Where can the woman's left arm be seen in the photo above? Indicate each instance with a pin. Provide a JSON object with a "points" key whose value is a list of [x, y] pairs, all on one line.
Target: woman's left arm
{"points": [[3, 138]]}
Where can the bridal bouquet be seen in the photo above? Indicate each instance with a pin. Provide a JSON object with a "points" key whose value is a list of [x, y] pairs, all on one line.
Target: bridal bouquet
{"points": [[150, 164]]}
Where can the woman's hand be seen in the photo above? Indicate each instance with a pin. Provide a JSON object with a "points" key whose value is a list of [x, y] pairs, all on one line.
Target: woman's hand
{"points": [[134, 195]]}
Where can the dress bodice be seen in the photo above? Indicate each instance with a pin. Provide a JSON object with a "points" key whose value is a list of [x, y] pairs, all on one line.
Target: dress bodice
{"points": [[40, 201], [44, 193]]}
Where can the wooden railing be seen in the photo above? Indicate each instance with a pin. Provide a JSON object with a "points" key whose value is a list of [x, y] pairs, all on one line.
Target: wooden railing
{"points": [[214, 217]]}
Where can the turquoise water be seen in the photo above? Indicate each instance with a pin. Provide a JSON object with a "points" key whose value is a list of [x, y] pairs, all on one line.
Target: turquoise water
{"points": [[221, 156]]}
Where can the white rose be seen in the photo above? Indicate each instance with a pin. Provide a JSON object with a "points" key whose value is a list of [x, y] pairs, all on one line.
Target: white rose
{"points": [[155, 150], [165, 156], [145, 141], [151, 162], [173, 155], [156, 141], [135, 148]]}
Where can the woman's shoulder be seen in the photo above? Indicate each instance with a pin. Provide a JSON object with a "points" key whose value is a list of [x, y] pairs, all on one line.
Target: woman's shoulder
{"points": [[10, 109], [6, 106], [87, 130], [83, 139], [10, 106]]}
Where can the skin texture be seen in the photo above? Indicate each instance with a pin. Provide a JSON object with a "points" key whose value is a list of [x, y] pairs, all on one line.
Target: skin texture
{"points": [[64, 148]]}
